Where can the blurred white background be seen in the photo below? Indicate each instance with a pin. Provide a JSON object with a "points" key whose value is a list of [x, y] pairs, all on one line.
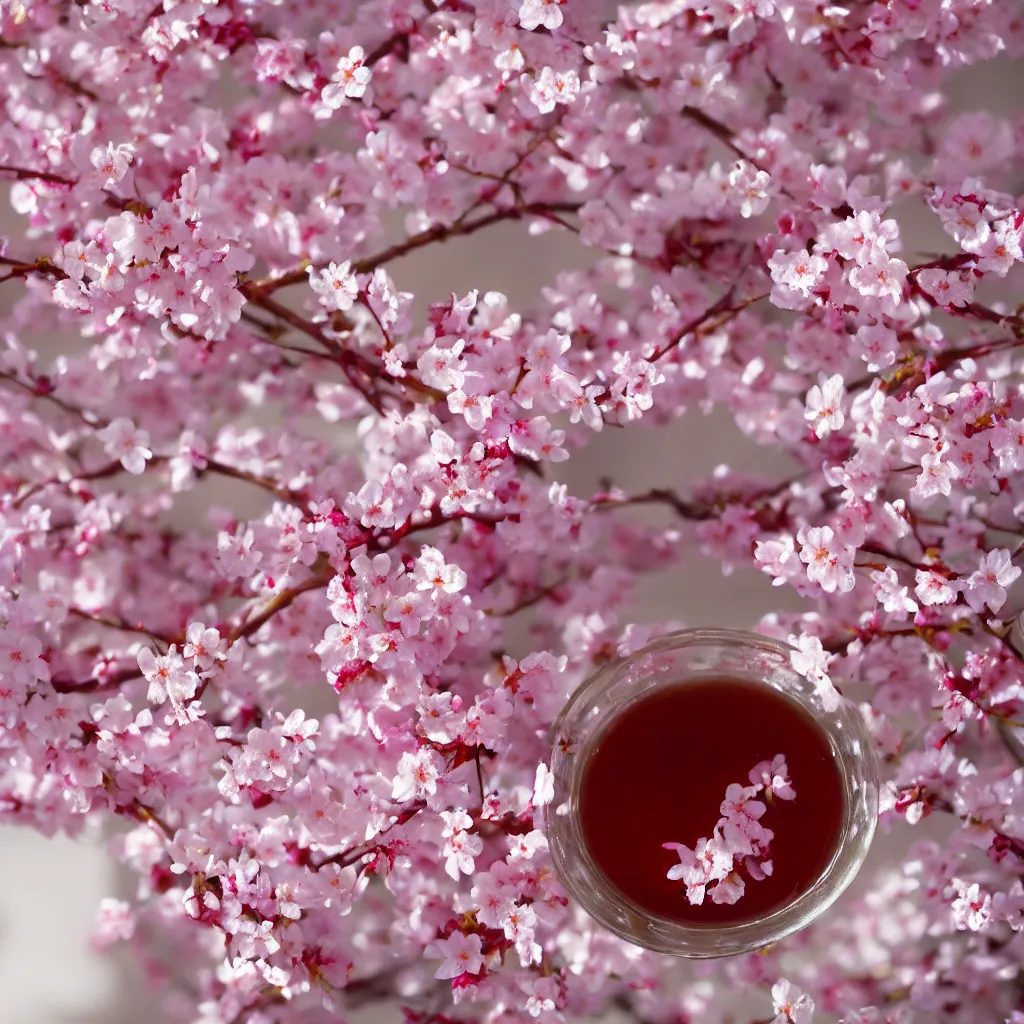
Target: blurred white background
{"points": [[51, 887]]}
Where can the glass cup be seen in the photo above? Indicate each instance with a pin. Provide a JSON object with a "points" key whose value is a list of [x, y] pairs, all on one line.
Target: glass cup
{"points": [[689, 656]]}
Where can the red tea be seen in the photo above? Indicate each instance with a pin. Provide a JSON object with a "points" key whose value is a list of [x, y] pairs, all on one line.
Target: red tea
{"points": [[659, 774]]}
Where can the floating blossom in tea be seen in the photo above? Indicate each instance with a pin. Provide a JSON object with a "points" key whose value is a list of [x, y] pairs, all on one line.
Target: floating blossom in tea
{"points": [[711, 866]]}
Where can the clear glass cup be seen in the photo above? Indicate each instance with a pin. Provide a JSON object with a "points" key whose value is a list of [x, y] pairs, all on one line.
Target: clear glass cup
{"points": [[689, 656]]}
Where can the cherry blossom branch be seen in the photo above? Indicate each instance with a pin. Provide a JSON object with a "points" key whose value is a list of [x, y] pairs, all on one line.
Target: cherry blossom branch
{"points": [[120, 624], [944, 360], [717, 315], [41, 389], [553, 592], [683, 508], [108, 683], [27, 174], [252, 623], [248, 624], [351, 362], [110, 469], [442, 232], [278, 490], [360, 850], [429, 236], [50, 178], [703, 322], [657, 496], [914, 371], [892, 556], [726, 136], [364, 300], [142, 812], [505, 179], [385, 540], [722, 132], [116, 468], [269, 997], [44, 266]]}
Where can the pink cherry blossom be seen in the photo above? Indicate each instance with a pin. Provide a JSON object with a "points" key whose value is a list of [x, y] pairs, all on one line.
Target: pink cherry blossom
{"points": [[170, 680], [864, 237], [540, 14], [335, 286], [739, 801], [519, 923], [933, 587], [202, 644], [460, 954], [554, 87], [349, 81], [127, 443], [476, 409], [708, 862], [825, 406], [972, 907], [417, 776], [893, 596], [882, 276], [945, 287], [753, 185], [441, 367], [20, 659], [797, 271], [811, 660], [790, 1004], [461, 848], [544, 786], [111, 161], [435, 576], [988, 585], [828, 561], [115, 923], [492, 897]]}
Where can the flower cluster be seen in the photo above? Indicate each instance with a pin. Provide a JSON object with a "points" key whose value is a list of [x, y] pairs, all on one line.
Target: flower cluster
{"points": [[739, 840], [294, 578]]}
